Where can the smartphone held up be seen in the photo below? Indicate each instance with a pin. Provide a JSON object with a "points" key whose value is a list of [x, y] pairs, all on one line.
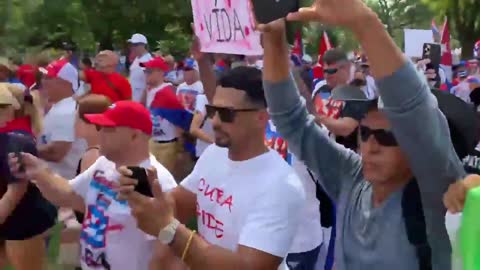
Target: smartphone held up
{"points": [[270, 10], [143, 186]]}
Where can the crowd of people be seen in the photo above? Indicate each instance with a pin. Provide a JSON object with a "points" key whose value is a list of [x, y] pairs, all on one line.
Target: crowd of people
{"points": [[238, 162]]}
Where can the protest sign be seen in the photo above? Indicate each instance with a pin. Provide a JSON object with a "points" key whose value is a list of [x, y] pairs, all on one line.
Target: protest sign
{"points": [[414, 40], [226, 26]]}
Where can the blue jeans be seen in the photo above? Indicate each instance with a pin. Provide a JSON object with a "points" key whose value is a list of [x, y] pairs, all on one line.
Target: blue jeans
{"points": [[303, 261]]}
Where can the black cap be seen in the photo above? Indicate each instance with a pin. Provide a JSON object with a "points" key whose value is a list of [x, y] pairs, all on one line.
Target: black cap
{"points": [[348, 93]]}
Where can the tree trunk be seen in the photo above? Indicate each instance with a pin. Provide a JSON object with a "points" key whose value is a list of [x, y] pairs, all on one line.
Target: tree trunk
{"points": [[467, 43]]}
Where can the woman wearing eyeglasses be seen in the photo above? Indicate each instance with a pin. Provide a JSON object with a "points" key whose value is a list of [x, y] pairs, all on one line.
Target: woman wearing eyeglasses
{"points": [[24, 214]]}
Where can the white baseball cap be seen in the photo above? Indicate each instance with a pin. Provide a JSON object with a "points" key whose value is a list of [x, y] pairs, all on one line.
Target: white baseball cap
{"points": [[138, 38], [62, 69], [307, 59]]}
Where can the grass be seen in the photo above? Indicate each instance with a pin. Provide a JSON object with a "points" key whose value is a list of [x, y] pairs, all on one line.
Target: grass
{"points": [[53, 249]]}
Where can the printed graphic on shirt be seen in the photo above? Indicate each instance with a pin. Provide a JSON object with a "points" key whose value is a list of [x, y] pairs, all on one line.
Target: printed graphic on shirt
{"points": [[188, 98], [277, 143], [326, 106], [472, 164], [209, 221], [157, 125], [97, 223]]}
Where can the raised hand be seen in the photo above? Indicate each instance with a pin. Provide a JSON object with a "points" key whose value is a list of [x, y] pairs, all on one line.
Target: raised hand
{"points": [[28, 167], [347, 13], [152, 214], [195, 48], [454, 198]]}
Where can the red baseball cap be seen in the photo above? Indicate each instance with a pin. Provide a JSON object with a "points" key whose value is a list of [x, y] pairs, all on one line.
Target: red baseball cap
{"points": [[124, 113], [157, 62], [61, 69]]}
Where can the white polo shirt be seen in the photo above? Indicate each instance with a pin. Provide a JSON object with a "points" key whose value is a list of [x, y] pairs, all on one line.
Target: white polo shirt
{"points": [[59, 126]]}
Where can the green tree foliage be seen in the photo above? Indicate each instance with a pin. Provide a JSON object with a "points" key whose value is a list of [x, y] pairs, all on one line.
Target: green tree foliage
{"points": [[91, 24], [464, 20], [400, 14]]}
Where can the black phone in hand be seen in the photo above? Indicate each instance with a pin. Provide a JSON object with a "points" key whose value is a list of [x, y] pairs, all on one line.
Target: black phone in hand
{"points": [[270, 10], [143, 186]]}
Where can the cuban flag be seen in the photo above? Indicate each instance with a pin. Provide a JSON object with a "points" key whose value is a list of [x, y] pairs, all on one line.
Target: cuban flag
{"points": [[476, 49], [435, 32], [297, 51], [166, 105], [446, 61], [323, 46]]}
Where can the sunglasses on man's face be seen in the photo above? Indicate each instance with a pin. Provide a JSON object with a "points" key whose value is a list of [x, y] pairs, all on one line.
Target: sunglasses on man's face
{"points": [[330, 71], [226, 114], [382, 136]]}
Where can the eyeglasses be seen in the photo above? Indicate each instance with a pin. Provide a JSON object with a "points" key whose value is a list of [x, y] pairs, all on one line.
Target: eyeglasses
{"points": [[382, 136], [330, 71], [226, 114]]}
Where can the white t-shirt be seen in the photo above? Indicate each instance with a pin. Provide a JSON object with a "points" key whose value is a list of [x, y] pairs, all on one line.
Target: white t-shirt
{"points": [[137, 77], [202, 101], [188, 94], [309, 234], [59, 126], [163, 130], [109, 232], [253, 203]]}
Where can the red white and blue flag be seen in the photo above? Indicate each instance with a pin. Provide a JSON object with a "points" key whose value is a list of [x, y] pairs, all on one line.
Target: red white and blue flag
{"points": [[446, 61], [435, 32], [297, 51]]}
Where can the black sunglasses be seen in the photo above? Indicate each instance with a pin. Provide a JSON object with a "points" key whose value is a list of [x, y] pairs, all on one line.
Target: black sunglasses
{"points": [[226, 114], [330, 71], [382, 136]]}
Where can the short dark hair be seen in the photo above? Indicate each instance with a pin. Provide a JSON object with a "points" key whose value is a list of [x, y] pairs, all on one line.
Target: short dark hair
{"points": [[333, 56], [87, 62], [247, 79]]}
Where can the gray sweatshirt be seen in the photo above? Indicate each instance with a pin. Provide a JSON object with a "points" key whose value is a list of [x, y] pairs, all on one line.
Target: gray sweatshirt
{"points": [[375, 238]]}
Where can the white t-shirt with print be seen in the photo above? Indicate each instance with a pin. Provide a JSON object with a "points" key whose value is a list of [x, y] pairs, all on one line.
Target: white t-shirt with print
{"points": [[309, 234], [188, 93], [252, 203], [137, 79], [163, 130], [200, 107], [109, 232], [59, 126]]}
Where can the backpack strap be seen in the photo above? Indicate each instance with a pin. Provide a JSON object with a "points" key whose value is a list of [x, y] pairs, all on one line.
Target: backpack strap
{"points": [[414, 219], [112, 86], [327, 209]]}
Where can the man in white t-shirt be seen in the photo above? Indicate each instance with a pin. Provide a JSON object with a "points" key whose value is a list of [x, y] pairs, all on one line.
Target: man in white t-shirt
{"points": [[58, 144], [308, 241], [137, 77], [110, 238], [163, 144], [192, 87], [201, 127], [244, 195]]}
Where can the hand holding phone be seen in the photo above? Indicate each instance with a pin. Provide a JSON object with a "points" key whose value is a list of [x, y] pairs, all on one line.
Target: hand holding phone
{"points": [[267, 11], [143, 185]]}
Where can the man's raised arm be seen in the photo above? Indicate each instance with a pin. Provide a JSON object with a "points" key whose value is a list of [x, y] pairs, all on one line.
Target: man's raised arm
{"points": [[309, 142]]}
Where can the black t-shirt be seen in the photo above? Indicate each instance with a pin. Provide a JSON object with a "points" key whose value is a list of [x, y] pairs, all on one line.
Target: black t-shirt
{"points": [[471, 163], [355, 110]]}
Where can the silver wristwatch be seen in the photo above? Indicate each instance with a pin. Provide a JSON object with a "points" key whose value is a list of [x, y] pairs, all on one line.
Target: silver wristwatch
{"points": [[167, 234]]}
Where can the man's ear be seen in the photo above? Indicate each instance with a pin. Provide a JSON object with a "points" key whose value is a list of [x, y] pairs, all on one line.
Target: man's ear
{"points": [[263, 116]]}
